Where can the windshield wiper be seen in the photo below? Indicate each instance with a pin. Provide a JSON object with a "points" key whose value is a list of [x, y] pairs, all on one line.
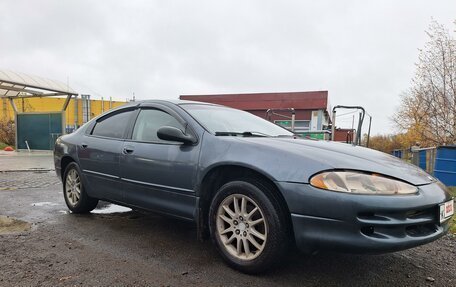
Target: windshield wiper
{"points": [[244, 134]]}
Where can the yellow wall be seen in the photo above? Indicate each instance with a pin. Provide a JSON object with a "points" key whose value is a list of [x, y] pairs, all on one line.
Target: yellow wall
{"points": [[54, 105]]}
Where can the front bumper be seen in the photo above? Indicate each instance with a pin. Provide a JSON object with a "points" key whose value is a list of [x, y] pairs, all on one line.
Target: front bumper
{"points": [[354, 223]]}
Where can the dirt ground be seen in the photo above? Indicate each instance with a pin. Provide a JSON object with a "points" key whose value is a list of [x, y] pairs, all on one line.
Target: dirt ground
{"points": [[117, 246]]}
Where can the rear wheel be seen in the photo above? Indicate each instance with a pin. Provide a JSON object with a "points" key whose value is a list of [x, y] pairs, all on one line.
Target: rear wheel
{"points": [[248, 226], [74, 193]]}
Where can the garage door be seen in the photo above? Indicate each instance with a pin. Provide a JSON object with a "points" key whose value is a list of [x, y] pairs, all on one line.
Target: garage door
{"points": [[39, 130]]}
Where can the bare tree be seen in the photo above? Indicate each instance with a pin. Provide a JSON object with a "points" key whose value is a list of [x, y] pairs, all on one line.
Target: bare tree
{"points": [[428, 107]]}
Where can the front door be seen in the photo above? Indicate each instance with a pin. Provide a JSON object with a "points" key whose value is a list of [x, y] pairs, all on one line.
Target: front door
{"points": [[159, 175], [99, 153]]}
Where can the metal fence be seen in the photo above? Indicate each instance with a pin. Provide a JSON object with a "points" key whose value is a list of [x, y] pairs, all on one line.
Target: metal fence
{"points": [[438, 161], [445, 165]]}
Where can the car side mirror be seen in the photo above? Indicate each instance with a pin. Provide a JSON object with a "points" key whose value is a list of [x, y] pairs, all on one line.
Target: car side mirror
{"points": [[168, 133]]}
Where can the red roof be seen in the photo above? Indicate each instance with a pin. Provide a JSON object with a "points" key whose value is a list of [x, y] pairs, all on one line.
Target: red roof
{"points": [[263, 101]]}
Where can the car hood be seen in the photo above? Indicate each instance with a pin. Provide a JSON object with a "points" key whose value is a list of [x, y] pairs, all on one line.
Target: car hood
{"points": [[333, 155]]}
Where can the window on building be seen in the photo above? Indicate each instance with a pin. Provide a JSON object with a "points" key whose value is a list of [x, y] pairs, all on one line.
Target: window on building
{"points": [[300, 125]]}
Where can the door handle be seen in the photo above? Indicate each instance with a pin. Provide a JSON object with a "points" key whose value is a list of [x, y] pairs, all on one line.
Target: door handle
{"points": [[128, 150], [84, 145]]}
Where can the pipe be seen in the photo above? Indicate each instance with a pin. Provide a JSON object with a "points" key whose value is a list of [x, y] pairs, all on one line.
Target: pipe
{"points": [[26, 143], [360, 123], [293, 117], [268, 115], [89, 108], [349, 138], [76, 113], [333, 126], [369, 131]]}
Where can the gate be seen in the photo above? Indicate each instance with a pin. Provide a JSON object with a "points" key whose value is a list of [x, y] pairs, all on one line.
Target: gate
{"points": [[445, 165], [39, 130]]}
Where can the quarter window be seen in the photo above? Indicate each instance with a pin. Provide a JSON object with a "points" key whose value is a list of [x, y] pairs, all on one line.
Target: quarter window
{"points": [[113, 126], [149, 122]]}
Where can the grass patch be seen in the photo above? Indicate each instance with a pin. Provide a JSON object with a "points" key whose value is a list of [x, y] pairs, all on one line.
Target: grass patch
{"points": [[2, 145], [453, 220]]}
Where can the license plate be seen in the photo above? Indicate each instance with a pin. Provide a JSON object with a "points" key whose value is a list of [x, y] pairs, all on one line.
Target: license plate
{"points": [[446, 210]]}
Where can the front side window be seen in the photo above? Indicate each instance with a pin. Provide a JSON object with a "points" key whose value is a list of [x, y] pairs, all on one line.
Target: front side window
{"points": [[113, 126], [149, 121]]}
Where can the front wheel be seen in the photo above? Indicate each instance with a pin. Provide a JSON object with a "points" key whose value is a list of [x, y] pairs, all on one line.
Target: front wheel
{"points": [[74, 192], [248, 226]]}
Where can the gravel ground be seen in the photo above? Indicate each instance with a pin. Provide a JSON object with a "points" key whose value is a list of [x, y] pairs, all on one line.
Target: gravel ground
{"points": [[27, 179], [109, 248]]}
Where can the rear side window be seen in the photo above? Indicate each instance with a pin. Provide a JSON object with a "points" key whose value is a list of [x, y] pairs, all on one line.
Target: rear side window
{"points": [[149, 122], [113, 126]]}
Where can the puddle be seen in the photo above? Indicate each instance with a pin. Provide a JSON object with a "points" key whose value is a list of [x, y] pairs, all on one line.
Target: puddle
{"points": [[12, 225], [104, 208], [44, 203], [111, 208]]}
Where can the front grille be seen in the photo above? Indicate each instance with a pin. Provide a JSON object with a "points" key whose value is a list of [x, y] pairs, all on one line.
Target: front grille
{"points": [[413, 223], [420, 230], [421, 213]]}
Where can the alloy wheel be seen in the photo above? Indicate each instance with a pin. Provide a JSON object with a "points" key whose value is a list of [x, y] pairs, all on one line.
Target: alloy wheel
{"points": [[241, 227], [73, 187]]}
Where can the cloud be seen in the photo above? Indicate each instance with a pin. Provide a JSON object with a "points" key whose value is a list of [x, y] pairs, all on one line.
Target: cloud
{"points": [[362, 52]]}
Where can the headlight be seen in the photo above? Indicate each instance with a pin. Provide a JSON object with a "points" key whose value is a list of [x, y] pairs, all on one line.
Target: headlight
{"points": [[358, 182]]}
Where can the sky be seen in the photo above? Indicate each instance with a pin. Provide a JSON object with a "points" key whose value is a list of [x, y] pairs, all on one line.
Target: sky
{"points": [[361, 52]]}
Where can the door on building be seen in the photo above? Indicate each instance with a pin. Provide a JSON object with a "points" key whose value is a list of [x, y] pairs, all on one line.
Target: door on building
{"points": [[38, 130]]}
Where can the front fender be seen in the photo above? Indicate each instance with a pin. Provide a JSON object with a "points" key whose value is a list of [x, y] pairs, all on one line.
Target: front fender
{"points": [[277, 165]]}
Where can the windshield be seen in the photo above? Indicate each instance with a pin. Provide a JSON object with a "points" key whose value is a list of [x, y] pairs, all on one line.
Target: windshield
{"points": [[224, 121]]}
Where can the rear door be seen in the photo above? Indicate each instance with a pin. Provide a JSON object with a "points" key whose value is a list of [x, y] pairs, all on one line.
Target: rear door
{"points": [[159, 175], [99, 154]]}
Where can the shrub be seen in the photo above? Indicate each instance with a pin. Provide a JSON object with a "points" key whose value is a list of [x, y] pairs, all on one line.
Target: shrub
{"points": [[7, 132]]}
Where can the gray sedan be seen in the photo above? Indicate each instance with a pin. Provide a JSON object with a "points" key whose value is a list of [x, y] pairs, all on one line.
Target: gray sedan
{"points": [[253, 187]]}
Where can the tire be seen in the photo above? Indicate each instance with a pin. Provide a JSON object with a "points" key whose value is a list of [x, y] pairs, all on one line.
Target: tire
{"points": [[76, 197], [258, 223]]}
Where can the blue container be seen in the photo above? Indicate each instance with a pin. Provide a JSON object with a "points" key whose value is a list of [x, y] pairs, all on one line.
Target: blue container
{"points": [[397, 153], [445, 165], [423, 159]]}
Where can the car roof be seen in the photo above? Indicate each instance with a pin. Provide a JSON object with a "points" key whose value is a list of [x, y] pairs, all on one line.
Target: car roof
{"points": [[145, 102], [173, 101]]}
